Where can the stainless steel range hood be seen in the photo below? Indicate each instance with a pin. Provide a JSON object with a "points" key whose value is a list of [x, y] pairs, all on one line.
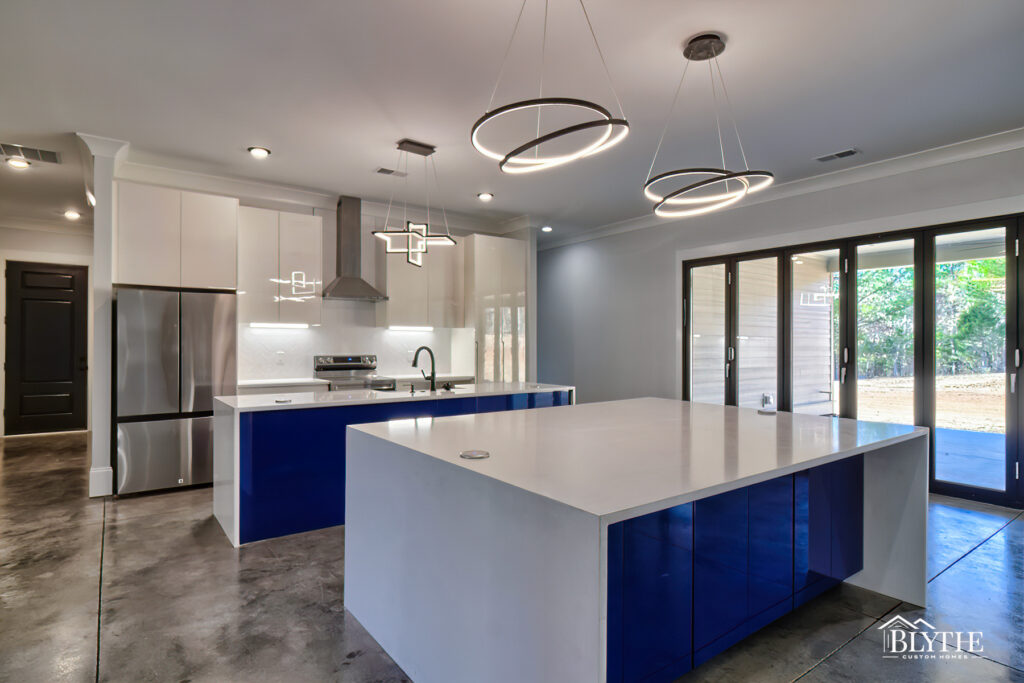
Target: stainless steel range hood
{"points": [[349, 284]]}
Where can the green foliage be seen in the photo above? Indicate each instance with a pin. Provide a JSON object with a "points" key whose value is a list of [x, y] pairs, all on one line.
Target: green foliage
{"points": [[970, 317]]}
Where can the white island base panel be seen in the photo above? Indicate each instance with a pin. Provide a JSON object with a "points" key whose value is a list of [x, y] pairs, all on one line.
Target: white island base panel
{"points": [[488, 570]]}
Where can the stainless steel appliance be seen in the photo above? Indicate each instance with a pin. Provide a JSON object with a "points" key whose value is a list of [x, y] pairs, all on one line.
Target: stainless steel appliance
{"points": [[352, 372], [175, 351]]}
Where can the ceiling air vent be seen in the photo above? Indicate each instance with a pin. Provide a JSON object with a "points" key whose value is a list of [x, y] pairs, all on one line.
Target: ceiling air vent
{"points": [[391, 171], [842, 154], [29, 153]]}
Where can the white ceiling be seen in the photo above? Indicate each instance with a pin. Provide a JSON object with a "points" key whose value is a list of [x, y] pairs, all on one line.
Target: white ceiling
{"points": [[329, 86], [37, 197]]}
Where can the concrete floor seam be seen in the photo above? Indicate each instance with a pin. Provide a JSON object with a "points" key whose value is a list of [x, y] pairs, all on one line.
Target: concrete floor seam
{"points": [[978, 545], [833, 652]]}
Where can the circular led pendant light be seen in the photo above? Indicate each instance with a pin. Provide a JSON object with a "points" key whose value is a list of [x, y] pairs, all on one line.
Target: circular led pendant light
{"points": [[608, 129], [703, 189]]}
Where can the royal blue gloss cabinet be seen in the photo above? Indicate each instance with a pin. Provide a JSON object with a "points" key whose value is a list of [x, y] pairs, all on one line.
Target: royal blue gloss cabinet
{"points": [[292, 462], [688, 582]]}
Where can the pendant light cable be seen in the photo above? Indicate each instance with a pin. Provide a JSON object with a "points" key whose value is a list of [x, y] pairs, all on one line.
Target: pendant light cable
{"points": [[607, 72], [504, 60], [668, 119], [394, 181], [732, 114], [444, 213], [718, 124]]}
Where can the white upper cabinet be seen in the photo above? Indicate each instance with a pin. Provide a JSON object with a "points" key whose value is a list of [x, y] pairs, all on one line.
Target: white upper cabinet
{"points": [[279, 267], [170, 238], [495, 289], [209, 240], [148, 235], [257, 265], [429, 295], [301, 284]]}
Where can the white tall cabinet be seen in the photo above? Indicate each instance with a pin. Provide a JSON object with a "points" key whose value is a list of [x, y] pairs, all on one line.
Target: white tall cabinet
{"points": [[173, 238], [495, 292], [279, 267], [430, 295]]}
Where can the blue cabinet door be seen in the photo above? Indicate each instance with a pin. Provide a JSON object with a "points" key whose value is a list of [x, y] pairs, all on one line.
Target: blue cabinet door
{"points": [[720, 570], [292, 468], [650, 574], [494, 404], [770, 511], [828, 503], [455, 406]]}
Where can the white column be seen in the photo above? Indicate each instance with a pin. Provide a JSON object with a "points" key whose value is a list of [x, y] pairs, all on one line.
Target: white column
{"points": [[106, 154]]}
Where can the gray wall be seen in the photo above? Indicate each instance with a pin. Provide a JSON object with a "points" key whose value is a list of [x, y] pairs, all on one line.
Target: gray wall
{"points": [[609, 309]]}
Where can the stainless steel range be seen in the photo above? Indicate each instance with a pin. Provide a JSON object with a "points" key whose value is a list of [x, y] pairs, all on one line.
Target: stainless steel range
{"points": [[352, 372]]}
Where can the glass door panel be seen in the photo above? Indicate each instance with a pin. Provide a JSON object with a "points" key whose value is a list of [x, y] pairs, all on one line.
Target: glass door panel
{"points": [[970, 358], [815, 332], [757, 332], [707, 333], [885, 331]]}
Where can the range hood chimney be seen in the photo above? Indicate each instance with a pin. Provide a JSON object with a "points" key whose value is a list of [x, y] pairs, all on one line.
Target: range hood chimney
{"points": [[349, 284]]}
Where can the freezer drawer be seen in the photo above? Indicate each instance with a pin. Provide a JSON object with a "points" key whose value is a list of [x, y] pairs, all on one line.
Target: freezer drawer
{"points": [[207, 349], [147, 352], [162, 454]]}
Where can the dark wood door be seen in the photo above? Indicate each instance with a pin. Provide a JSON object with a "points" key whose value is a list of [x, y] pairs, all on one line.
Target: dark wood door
{"points": [[46, 360]]}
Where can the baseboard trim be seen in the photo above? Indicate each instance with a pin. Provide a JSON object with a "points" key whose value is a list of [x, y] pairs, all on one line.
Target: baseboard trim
{"points": [[101, 481]]}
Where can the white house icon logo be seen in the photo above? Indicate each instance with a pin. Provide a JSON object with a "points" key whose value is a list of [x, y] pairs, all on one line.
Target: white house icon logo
{"points": [[905, 639]]}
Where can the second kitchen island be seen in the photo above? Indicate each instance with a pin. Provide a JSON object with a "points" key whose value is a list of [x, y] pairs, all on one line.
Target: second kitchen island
{"points": [[621, 541], [279, 460]]}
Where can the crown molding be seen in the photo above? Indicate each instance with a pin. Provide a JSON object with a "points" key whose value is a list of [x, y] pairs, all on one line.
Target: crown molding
{"points": [[39, 225], [937, 156], [100, 146]]}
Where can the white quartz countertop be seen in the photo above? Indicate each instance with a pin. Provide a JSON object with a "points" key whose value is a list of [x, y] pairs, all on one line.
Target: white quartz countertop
{"points": [[286, 382], [324, 399], [621, 459]]}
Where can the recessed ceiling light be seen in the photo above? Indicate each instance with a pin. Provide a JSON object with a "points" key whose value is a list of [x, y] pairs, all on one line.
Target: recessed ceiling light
{"points": [[72, 215], [18, 163], [259, 152], [546, 228], [485, 196]]}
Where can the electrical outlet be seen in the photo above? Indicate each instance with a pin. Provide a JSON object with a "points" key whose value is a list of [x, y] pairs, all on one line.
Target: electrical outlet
{"points": [[410, 354], [279, 357]]}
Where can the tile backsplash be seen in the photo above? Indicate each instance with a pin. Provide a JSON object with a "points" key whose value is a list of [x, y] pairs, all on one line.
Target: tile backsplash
{"points": [[348, 327]]}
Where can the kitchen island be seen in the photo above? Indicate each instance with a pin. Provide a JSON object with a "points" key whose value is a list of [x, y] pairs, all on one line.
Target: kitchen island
{"points": [[279, 459], [621, 541]]}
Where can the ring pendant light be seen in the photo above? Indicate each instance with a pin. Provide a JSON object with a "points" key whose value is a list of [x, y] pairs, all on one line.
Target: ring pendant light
{"points": [[609, 129], [692, 199], [413, 238]]}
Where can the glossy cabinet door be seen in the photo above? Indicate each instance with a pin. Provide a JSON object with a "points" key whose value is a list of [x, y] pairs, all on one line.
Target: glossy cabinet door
{"points": [[257, 265], [408, 292], [445, 277], [496, 305], [209, 239], [148, 235], [300, 244]]}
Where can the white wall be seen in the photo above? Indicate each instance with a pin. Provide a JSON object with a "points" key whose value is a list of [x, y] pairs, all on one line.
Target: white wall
{"points": [[609, 309], [56, 244]]}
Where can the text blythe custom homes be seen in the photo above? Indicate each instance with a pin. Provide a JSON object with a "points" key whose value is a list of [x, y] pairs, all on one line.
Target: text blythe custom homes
{"points": [[904, 639]]}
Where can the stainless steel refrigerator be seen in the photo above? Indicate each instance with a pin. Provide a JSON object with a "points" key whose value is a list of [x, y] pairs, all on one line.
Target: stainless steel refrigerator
{"points": [[175, 351]]}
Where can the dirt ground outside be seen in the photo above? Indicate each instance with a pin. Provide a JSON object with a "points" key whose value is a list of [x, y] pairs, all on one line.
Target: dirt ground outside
{"points": [[970, 402]]}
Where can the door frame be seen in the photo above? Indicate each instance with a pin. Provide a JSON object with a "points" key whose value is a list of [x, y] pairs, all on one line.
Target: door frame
{"points": [[924, 338], [58, 259], [62, 261]]}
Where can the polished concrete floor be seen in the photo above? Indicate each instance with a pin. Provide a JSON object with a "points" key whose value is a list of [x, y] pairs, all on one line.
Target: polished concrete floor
{"points": [[147, 588]]}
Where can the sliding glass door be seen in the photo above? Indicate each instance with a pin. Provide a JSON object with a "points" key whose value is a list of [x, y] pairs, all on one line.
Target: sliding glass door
{"points": [[971, 382], [815, 306], [707, 333], [733, 332], [885, 332], [918, 326]]}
